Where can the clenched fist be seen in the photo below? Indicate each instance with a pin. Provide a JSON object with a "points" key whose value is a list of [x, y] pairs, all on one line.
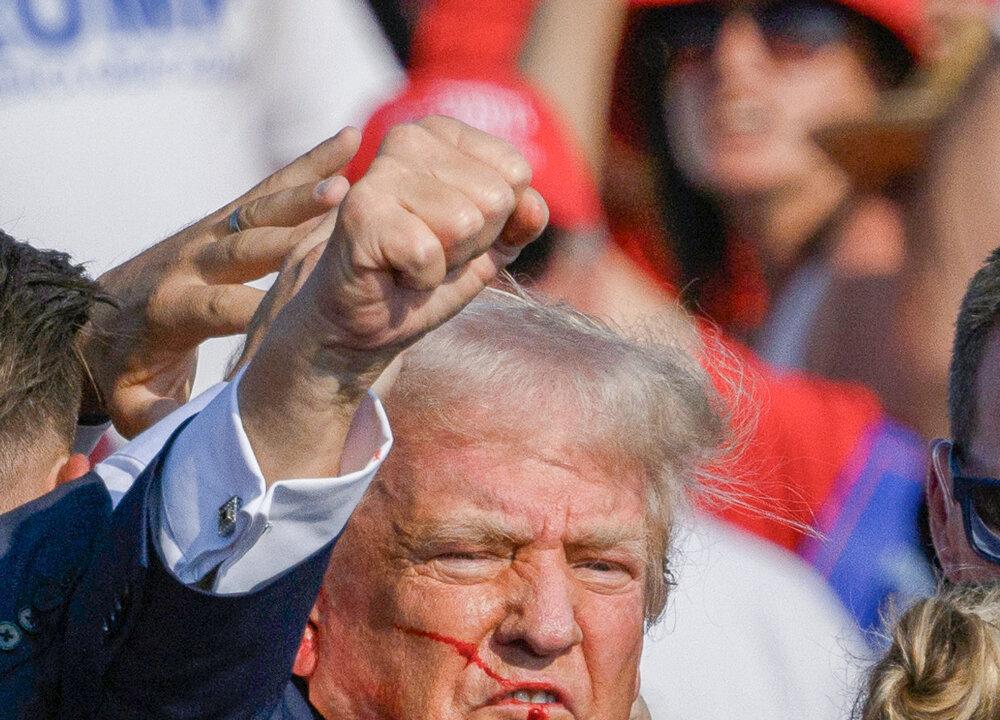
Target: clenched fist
{"points": [[442, 210]]}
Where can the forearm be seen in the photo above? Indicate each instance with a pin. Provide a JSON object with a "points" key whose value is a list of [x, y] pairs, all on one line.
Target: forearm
{"points": [[570, 54], [297, 399]]}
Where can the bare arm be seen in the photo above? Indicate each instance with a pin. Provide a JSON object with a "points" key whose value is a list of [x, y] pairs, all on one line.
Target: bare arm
{"points": [[954, 221], [570, 53]]}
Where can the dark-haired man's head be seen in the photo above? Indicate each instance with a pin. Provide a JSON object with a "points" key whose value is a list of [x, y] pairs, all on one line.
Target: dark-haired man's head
{"points": [[964, 505], [45, 300]]}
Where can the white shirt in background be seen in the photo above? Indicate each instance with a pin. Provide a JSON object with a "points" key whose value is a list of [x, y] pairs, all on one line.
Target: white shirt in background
{"points": [[750, 632], [124, 121]]}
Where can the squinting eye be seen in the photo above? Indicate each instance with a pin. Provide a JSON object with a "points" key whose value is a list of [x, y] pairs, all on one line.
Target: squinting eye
{"points": [[600, 566], [467, 565], [459, 556], [603, 573]]}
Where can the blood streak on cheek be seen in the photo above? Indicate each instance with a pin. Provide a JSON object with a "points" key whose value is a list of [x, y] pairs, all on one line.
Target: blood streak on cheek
{"points": [[465, 649], [468, 651]]}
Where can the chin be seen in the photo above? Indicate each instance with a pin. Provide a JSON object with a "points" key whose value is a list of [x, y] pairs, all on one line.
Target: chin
{"points": [[736, 178]]}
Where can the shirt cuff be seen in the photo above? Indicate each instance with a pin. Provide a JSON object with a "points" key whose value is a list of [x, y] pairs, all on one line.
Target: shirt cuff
{"points": [[218, 515], [121, 469]]}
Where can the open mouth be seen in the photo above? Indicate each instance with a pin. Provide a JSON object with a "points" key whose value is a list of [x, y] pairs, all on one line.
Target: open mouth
{"points": [[536, 695], [530, 697]]}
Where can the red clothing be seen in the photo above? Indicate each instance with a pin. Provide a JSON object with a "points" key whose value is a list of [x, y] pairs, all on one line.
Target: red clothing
{"points": [[797, 435]]}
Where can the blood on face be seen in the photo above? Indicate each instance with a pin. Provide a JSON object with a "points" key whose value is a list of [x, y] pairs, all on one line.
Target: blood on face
{"points": [[471, 654]]}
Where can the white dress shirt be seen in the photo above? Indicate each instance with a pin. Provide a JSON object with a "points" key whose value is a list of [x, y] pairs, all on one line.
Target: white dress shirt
{"points": [[212, 462]]}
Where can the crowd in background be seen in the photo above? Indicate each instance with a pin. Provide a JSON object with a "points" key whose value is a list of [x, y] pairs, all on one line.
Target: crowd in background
{"points": [[803, 189]]}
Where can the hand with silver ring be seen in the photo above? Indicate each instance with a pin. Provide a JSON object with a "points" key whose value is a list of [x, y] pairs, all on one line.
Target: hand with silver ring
{"points": [[234, 221], [188, 288]]}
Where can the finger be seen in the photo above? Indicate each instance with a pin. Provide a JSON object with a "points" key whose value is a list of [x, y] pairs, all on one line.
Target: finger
{"points": [[413, 252], [252, 254], [460, 226], [216, 310], [288, 208], [488, 149], [326, 159], [377, 234], [526, 224], [417, 148]]}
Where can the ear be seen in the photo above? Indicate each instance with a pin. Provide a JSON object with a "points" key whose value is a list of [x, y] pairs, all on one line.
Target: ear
{"points": [[942, 510], [306, 657], [76, 466]]}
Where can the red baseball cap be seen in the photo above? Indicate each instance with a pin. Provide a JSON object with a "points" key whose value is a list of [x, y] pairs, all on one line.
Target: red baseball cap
{"points": [[459, 37], [507, 107], [906, 19]]}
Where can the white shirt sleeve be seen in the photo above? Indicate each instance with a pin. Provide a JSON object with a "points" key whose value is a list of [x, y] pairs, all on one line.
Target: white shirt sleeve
{"points": [[119, 471], [211, 463]]}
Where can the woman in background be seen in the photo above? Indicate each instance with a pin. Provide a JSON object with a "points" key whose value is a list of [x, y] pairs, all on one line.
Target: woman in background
{"points": [[944, 660]]}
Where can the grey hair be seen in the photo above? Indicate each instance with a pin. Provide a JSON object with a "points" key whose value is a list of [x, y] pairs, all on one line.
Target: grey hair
{"points": [[639, 402]]}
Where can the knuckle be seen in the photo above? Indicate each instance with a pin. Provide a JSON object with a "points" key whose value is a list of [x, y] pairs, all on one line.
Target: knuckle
{"points": [[216, 304], [405, 136], [352, 212], [436, 122], [234, 251], [466, 221], [515, 169], [424, 252], [388, 169], [496, 201], [246, 216]]}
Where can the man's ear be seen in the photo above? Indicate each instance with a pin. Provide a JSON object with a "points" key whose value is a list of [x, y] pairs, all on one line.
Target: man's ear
{"points": [[76, 466], [306, 657], [942, 510]]}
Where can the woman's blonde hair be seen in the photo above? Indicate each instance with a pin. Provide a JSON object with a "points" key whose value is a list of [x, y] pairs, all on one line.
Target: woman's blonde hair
{"points": [[944, 661]]}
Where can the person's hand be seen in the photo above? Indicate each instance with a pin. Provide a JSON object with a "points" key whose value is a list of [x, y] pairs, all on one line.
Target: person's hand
{"points": [[443, 208], [142, 354], [295, 270], [441, 211]]}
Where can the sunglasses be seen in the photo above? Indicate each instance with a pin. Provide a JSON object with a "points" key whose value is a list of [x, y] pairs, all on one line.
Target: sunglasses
{"points": [[982, 538], [791, 28]]}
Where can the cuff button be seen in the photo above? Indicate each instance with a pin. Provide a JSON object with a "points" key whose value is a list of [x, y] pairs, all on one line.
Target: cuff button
{"points": [[10, 636], [26, 619], [227, 515]]}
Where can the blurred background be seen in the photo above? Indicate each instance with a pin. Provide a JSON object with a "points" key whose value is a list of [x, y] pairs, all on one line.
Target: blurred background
{"points": [[813, 182]]}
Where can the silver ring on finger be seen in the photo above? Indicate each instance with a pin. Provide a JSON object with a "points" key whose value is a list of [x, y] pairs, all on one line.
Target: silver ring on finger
{"points": [[234, 221]]}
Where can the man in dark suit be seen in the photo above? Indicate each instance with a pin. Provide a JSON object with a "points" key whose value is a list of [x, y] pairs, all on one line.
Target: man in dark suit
{"points": [[187, 600]]}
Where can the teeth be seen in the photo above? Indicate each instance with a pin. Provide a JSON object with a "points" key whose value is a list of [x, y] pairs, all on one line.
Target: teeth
{"points": [[534, 698]]}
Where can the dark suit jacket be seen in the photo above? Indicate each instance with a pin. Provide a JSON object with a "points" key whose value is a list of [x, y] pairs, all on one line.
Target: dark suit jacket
{"points": [[293, 705], [92, 624]]}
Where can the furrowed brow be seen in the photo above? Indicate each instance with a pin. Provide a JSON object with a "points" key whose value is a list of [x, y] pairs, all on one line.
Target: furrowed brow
{"points": [[480, 532], [609, 538]]}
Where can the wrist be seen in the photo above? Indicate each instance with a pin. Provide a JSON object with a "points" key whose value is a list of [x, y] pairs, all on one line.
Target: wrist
{"points": [[298, 397]]}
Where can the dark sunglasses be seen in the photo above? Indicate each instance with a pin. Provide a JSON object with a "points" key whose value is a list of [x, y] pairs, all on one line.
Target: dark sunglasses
{"points": [[790, 27], [982, 538]]}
